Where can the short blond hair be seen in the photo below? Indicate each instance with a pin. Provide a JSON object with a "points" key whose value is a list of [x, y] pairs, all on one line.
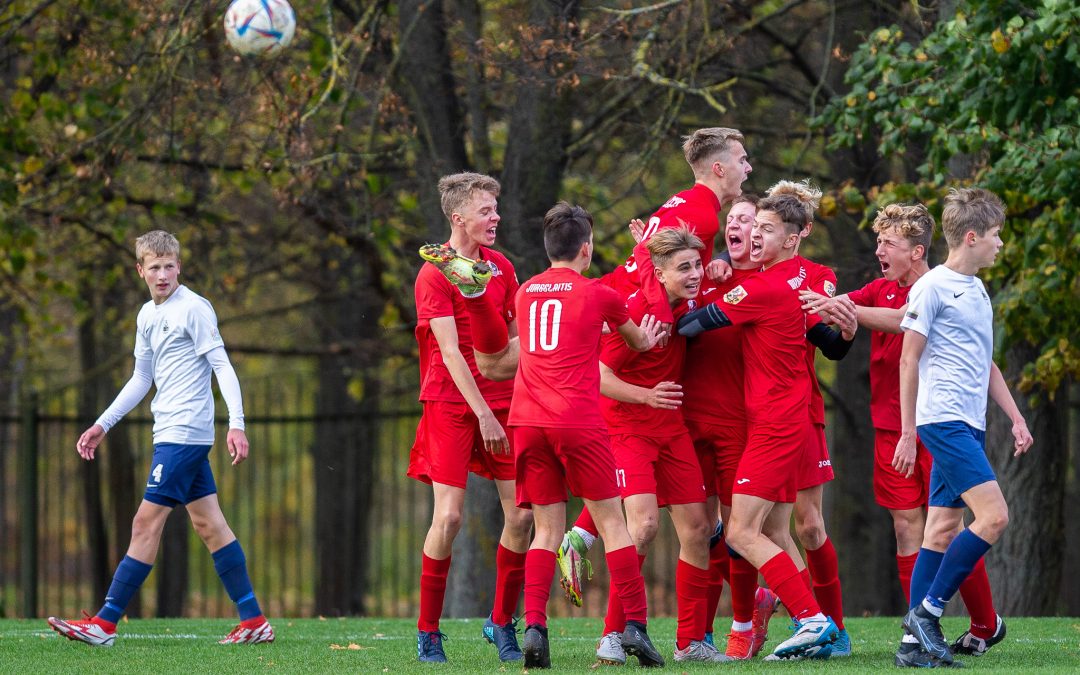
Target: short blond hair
{"points": [[706, 145], [159, 243], [913, 222], [457, 189], [665, 243], [970, 210], [805, 191]]}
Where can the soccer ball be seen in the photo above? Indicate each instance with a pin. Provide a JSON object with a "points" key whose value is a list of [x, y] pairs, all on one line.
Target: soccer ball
{"points": [[259, 27]]}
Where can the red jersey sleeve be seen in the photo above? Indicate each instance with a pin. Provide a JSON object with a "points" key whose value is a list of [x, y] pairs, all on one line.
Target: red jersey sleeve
{"points": [[433, 299], [821, 280]]}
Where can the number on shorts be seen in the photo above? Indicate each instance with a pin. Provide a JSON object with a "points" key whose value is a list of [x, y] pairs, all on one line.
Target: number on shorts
{"points": [[545, 328], [156, 473], [620, 477]]}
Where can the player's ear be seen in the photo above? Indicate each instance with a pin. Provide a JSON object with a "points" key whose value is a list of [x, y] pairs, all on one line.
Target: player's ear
{"points": [[918, 252]]}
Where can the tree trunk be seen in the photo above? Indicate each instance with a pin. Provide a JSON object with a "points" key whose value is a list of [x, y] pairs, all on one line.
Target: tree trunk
{"points": [[172, 565], [1025, 565], [91, 397]]}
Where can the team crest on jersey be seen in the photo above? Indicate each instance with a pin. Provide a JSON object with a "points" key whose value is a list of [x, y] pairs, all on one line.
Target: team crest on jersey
{"points": [[495, 271], [164, 326], [691, 305], [735, 295], [830, 289]]}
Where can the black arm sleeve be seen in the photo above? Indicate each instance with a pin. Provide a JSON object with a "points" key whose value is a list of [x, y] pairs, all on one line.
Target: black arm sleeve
{"points": [[700, 320], [724, 255], [829, 340]]}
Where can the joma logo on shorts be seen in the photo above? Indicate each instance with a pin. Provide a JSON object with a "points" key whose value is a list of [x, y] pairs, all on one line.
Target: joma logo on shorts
{"points": [[824, 463]]}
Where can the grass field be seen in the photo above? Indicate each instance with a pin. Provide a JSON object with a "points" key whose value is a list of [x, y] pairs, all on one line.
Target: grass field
{"points": [[389, 645]]}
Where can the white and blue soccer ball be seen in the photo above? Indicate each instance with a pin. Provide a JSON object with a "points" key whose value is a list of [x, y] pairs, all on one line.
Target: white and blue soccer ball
{"points": [[259, 27]]}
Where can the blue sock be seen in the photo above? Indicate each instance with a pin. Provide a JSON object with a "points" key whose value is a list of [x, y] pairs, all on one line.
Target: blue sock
{"points": [[130, 575], [231, 566], [959, 559], [922, 575]]}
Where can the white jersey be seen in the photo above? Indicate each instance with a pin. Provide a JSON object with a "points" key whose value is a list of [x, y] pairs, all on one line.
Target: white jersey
{"points": [[953, 312], [175, 336]]}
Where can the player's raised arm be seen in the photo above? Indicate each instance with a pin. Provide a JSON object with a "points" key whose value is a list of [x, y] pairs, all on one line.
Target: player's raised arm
{"points": [[644, 337]]}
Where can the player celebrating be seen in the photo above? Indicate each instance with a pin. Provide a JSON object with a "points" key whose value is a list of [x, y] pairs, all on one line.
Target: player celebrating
{"points": [[654, 453], [177, 346], [904, 233], [777, 397], [946, 371], [462, 426], [559, 433]]}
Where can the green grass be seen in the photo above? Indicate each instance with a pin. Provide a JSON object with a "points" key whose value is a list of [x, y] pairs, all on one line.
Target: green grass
{"points": [[389, 645]]}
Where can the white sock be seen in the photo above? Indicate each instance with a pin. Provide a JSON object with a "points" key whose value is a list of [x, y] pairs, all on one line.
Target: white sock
{"points": [[909, 639], [741, 626], [936, 611], [586, 537]]}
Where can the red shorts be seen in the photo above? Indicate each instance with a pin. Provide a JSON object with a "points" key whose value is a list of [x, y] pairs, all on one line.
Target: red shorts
{"points": [[449, 445], [769, 467], [719, 448], [891, 489], [665, 466], [549, 460], [816, 468]]}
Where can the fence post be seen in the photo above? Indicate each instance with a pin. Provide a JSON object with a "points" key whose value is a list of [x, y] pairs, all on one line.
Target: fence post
{"points": [[28, 506]]}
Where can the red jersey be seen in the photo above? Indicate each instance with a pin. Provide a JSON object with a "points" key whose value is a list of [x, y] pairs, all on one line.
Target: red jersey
{"points": [[437, 297], [774, 344], [560, 315], [885, 351], [697, 208], [712, 377], [820, 279], [644, 369]]}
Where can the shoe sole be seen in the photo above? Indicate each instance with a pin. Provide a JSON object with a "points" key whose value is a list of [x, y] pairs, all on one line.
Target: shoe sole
{"points": [[645, 660], [70, 632]]}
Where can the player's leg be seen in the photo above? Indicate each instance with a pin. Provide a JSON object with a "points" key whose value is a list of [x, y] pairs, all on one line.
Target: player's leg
{"points": [[230, 564], [495, 351], [625, 571], [908, 526], [920, 623], [548, 520], [746, 535], [100, 630], [468, 275], [821, 561], [642, 522], [500, 629], [693, 528]]}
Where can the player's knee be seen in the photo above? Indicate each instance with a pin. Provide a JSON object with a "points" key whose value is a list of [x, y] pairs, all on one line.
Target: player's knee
{"points": [[644, 530], [518, 520], [145, 528], [739, 538], [908, 533], [811, 533], [448, 522], [996, 521]]}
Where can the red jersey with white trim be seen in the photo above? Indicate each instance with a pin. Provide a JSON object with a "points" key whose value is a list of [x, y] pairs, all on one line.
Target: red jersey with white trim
{"points": [[699, 209], [713, 376], [885, 351], [774, 344], [560, 316], [820, 279], [437, 297], [644, 369]]}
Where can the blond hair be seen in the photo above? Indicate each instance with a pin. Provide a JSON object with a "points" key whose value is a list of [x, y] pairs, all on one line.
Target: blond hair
{"points": [[665, 243], [970, 210], [913, 222], [704, 146], [457, 189], [159, 243], [804, 191]]}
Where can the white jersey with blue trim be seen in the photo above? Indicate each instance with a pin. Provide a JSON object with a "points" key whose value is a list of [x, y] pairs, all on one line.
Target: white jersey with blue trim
{"points": [[175, 336], [953, 312]]}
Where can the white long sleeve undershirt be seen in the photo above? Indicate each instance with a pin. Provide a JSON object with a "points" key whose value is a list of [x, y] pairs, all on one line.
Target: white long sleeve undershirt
{"points": [[229, 385], [133, 392]]}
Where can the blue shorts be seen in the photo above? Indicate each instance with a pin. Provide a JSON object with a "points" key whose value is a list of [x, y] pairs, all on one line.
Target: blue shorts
{"points": [[179, 474], [960, 463]]}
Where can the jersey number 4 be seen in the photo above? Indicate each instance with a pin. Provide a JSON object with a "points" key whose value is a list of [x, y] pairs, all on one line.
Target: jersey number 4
{"points": [[544, 324]]}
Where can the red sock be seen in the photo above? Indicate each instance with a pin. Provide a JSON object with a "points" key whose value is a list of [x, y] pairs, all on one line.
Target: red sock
{"points": [[904, 565], [807, 579], [539, 571], [719, 562], [825, 571], [614, 619], [487, 326], [509, 579], [785, 580], [253, 622], [432, 591], [975, 590], [691, 594], [743, 589], [585, 522], [624, 566]]}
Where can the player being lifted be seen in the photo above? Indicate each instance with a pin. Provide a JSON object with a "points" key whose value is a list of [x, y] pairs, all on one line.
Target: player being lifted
{"points": [[463, 424], [777, 391], [657, 465], [946, 372], [177, 347], [904, 233]]}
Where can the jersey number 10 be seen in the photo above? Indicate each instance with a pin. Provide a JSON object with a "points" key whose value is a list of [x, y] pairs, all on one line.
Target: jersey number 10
{"points": [[544, 329]]}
